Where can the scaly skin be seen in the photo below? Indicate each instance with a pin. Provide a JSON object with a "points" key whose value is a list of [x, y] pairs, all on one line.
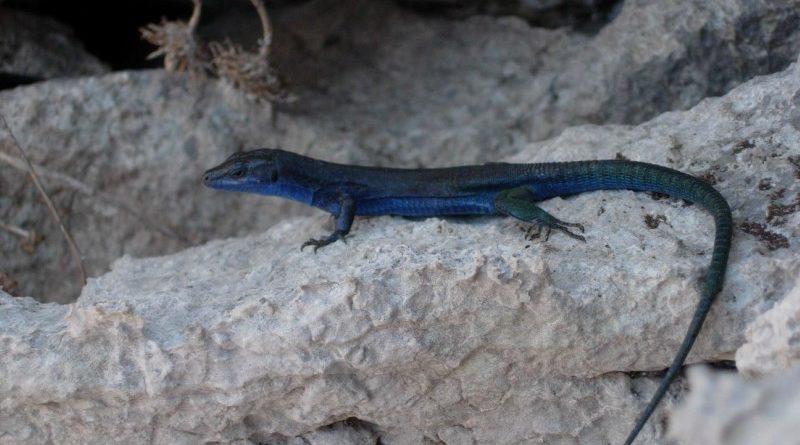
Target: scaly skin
{"points": [[492, 189]]}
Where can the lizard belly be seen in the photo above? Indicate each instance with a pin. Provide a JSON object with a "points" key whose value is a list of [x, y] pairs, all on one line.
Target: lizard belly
{"points": [[427, 206]]}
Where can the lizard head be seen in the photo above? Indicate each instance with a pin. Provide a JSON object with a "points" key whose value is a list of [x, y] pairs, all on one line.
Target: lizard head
{"points": [[250, 171]]}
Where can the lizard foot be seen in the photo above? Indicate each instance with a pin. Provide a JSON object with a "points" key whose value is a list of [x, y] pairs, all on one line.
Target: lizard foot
{"points": [[519, 203], [322, 242], [563, 228]]}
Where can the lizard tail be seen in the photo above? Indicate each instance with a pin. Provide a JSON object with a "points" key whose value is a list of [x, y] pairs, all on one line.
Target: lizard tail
{"points": [[695, 190], [559, 179]]}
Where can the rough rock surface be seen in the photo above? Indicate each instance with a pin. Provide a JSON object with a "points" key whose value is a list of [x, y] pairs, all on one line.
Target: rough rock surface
{"points": [[41, 48], [432, 93], [425, 331], [773, 339], [122, 154], [725, 409], [129, 182]]}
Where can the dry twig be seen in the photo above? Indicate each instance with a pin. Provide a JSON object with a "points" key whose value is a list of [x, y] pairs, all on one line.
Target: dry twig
{"points": [[266, 29], [67, 181], [76, 254], [19, 231], [30, 238]]}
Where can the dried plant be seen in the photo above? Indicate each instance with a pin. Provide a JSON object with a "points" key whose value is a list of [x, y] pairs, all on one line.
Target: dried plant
{"points": [[245, 71], [76, 254], [250, 72], [179, 44]]}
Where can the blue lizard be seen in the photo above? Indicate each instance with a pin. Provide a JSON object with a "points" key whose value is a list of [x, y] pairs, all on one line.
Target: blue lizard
{"points": [[491, 189]]}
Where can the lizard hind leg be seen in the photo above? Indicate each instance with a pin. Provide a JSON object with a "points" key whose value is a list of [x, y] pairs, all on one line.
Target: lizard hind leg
{"points": [[519, 203]]}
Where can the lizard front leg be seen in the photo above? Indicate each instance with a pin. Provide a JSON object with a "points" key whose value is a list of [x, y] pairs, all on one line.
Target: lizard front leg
{"points": [[519, 203], [344, 219]]}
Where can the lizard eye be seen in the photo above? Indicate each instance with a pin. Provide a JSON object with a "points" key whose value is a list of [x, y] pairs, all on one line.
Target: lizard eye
{"points": [[274, 176], [238, 173]]}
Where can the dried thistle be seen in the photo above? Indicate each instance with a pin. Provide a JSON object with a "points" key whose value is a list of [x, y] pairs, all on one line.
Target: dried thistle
{"points": [[250, 72], [247, 71], [179, 44]]}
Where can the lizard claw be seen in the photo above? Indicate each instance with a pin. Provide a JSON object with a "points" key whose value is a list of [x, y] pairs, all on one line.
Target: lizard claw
{"points": [[307, 243], [322, 242], [317, 243], [548, 228], [573, 235], [565, 224]]}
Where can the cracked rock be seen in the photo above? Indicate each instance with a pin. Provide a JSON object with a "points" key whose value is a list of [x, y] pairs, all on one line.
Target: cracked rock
{"points": [[423, 331], [37, 48], [377, 84], [724, 408]]}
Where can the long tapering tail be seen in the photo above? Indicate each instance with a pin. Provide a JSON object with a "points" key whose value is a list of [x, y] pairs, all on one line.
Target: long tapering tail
{"points": [[566, 178], [649, 177], [711, 287]]}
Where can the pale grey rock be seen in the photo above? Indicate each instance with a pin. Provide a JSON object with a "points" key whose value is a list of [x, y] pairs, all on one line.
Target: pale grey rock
{"points": [[122, 154], [430, 92], [579, 14], [773, 339], [725, 409], [348, 432], [42, 48], [433, 333], [424, 331], [543, 5], [123, 157]]}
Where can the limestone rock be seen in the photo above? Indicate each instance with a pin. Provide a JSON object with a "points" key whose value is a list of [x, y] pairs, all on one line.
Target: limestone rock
{"points": [[129, 180], [772, 339], [417, 338], [725, 409], [122, 154], [42, 48], [415, 331], [434, 93], [425, 331]]}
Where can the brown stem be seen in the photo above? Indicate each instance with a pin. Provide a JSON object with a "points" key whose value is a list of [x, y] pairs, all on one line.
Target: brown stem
{"points": [[76, 254], [195, 19], [265, 27]]}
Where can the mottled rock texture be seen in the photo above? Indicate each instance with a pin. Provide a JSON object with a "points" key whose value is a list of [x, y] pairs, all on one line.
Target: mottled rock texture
{"points": [[39, 48], [773, 339], [424, 331], [434, 331], [125, 169], [376, 84], [725, 409]]}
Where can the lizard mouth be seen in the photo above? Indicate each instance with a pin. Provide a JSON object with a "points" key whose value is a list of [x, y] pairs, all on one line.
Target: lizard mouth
{"points": [[213, 177]]}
